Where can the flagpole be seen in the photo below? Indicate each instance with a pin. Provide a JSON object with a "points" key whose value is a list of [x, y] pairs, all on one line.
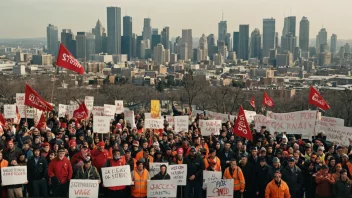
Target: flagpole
{"points": [[52, 90]]}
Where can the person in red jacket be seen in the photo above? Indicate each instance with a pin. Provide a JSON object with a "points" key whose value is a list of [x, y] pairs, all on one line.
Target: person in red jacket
{"points": [[60, 173], [99, 156], [117, 160], [78, 158]]}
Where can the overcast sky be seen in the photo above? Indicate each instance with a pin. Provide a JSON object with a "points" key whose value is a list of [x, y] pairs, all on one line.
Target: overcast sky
{"points": [[29, 18]]}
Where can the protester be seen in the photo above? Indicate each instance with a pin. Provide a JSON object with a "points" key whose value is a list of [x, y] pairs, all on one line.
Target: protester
{"points": [[342, 186], [37, 173], [263, 174], [324, 181], [3, 163], [162, 175], [195, 167], [139, 179], [234, 172], [277, 188], [15, 190], [293, 176], [87, 171]]}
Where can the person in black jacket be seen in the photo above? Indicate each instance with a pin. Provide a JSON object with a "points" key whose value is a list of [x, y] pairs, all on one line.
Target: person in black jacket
{"points": [[309, 179], [37, 168], [253, 158], [225, 156], [195, 167], [293, 176], [162, 175], [248, 174], [342, 187], [263, 174]]}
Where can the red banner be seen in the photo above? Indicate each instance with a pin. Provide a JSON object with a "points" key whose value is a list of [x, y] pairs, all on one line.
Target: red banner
{"points": [[81, 113], [317, 100], [42, 121], [241, 127], [66, 60], [267, 101], [33, 99], [252, 102], [2, 120]]}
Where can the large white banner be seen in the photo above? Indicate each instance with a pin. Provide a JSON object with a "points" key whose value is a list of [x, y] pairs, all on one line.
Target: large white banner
{"points": [[154, 123], [98, 111], [89, 102], [109, 110], [101, 124], [178, 173], [161, 188], [129, 117], [20, 98], [181, 123], [119, 106], [259, 121], [324, 123], [220, 189], [116, 176], [339, 134], [209, 176], [63, 110], [83, 188], [10, 111], [207, 127], [13, 175], [154, 168]]}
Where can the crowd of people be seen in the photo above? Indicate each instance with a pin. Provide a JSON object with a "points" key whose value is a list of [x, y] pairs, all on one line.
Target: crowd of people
{"points": [[273, 165]]}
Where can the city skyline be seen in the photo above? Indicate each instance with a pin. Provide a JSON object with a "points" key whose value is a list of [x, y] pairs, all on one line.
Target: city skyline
{"points": [[163, 15]]}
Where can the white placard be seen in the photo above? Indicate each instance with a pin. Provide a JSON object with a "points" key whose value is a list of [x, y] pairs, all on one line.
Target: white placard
{"points": [[217, 116], [339, 134], [9, 111], [119, 106], [154, 123], [250, 115], [109, 110], [89, 102], [30, 112], [209, 176], [161, 188], [178, 173], [63, 110], [220, 189], [129, 117], [101, 124], [147, 116], [83, 188], [181, 123], [13, 175], [98, 111], [116, 176], [207, 127], [324, 123], [154, 168], [22, 110], [170, 119], [71, 109], [20, 98]]}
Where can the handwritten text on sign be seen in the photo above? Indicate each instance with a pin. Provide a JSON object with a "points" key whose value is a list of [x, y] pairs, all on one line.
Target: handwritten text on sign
{"points": [[161, 188], [209, 176], [154, 123], [14, 175], [116, 176], [109, 110], [220, 188], [324, 123], [339, 134], [119, 106], [129, 117], [98, 111], [207, 127], [181, 123], [178, 173], [10, 110], [83, 188], [101, 124], [154, 168], [20, 98], [171, 121], [89, 102]]}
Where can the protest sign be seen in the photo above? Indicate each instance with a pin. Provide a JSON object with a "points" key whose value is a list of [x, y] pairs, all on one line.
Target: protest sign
{"points": [[71, 109], [30, 112], [178, 173], [209, 176], [13, 175], [116, 176], [129, 117], [20, 98], [147, 116], [98, 110], [101, 124], [154, 168], [259, 121], [324, 123], [154, 123], [119, 106], [181, 123], [217, 116], [207, 127], [89, 102], [161, 188], [83, 188], [250, 115], [232, 118], [339, 134], [22, 110], [220, 189], [109, 110], [155, 109], [10, 111], [63, 110], [170, 120]]}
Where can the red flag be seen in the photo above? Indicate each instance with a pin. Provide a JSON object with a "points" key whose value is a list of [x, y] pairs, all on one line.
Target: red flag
{"points": [[241, 127], [267, 101], [316, 99], [81, 113], [66, 60], [33, 99], [252, 102], [42, 121], [2, 120]]}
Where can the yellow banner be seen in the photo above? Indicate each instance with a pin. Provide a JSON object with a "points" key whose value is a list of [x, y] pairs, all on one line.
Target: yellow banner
{"points": [[155, 109]]}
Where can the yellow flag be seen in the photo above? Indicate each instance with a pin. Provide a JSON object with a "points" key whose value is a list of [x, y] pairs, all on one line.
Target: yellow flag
{"points": [[155, 109]]}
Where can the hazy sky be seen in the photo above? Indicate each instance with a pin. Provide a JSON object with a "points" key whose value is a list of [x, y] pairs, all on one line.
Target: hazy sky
{"points": [[29, 18]]}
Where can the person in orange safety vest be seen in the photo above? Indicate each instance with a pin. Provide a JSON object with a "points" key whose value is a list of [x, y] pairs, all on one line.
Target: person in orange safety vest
{"points": [[139, 178], [277, 188], [234, 172]]}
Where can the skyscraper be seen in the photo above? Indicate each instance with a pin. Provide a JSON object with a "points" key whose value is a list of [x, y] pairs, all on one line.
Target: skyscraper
{"points": [[184, 51], [187, 38], [52, 36], [81, 45], [159, 54], [99, 32], [256, 44], [114, 30], [90, 47], [333, 42], [304, 34], [127, 47], [268, 36], [236, 42], [244, 42], [147, 29], [165, 37], [289, 26], [211, 45], [228, 41], [156, 39], [222, 29], [322, 38], [203, 46], [127, 26], [68, 40], [288, 42], [155, 31]]}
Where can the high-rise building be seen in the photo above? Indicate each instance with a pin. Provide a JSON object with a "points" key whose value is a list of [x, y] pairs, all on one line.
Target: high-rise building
{"points": [[127, 26], [342, 52], [322, 38], [228, 41], [289, 26], [143, 47], [165, 37], [268, 36], [167, 56], [236, 42], [222, 49], [184, 51], [187, 38], [256, 44], [126, 40], [203, 46], [304, 34], [276, 39], [244, 42], [222, 29], [288, 42], [347, 48], [134, 46], [156, 39], [139, 45], [333, 42], [159, 54], [99, 33], [147, 29], [114, 30], [52, 36], [155, 31], [81, 45], [68, 40], [211, 45], [90, 45]]}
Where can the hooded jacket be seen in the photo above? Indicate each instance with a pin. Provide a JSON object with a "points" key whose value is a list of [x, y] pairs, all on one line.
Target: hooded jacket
{"points": [[160, 176]]}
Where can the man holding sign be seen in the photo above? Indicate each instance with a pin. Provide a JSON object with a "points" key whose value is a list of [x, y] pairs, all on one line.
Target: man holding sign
{"points": [[140, 176], [234, 172]]}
